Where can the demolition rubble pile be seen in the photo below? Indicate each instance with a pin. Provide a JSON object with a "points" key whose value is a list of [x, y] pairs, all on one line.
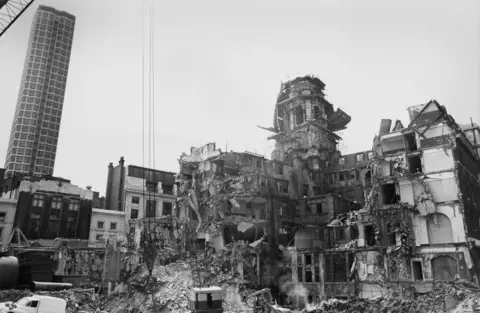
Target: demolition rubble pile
{"points": [[433, 301], [170, 284], [218, 268]]}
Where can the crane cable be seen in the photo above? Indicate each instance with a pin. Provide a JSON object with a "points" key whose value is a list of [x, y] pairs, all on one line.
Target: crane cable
{"points": [[149, 246]]}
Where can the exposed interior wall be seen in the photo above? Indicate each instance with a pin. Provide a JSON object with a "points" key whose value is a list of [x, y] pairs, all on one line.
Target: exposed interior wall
{"points": [[445, 228], [435, 160]]}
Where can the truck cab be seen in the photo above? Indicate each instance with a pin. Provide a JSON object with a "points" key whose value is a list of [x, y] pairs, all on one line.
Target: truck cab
{"points": [[35, 304]]}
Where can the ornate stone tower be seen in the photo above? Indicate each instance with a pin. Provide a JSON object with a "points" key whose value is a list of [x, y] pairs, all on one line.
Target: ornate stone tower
{"points": [[305, 126]]}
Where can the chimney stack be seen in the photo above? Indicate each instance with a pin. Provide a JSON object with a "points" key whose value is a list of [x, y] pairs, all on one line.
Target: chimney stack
{"points": [[385, 126]]}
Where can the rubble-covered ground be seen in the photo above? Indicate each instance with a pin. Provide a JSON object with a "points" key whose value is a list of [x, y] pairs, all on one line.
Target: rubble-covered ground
{"points": [[433, 302], [171, 284]]}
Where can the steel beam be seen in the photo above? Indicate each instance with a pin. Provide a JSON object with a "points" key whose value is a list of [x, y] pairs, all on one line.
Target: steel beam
{"points": [[10, 11]]}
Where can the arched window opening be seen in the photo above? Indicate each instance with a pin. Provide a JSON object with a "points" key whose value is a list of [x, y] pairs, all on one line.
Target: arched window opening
{"points": [[444, 267], [299, 116], [439, 229]]}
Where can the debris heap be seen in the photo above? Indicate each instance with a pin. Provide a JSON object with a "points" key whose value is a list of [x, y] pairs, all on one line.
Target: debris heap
{"points": [[432, 302]]}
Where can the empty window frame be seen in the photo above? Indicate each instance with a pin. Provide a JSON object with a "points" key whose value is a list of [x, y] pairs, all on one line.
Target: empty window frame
{"points": [[360, 157], [166, 209], [100, 224], [410, 142], [389, 194], [151, 186], [151, 208], [282, 186], [417, 270], [414, 164], [134, 213], [135, 200], [341, 161]]}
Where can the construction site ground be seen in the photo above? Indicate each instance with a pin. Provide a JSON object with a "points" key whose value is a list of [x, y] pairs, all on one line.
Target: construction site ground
{"points": [[170, 285]]}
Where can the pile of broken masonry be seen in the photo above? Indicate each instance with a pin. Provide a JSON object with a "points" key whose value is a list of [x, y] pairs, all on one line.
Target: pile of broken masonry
{"points": [[169, 286], [432, 302]]}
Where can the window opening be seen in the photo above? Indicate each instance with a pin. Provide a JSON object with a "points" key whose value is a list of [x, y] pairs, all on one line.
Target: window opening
{"points": [[100, 225], [151, 186], [360, 157], [283, 186], [56, 203], [417, 270], [209, 300], [352, 175], [308, 259], [135, 200], [167, 209], [389, 194], [134, 214], [151, 204], [410, 142], [38, 201], [299, 116], [414, 164], [308, 275], [305, 190], [74, 205], [369, 235], [113, 226], [341, 161], [392, 234]]}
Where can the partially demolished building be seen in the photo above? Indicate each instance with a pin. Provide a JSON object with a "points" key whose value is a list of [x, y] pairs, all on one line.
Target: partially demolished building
{"points": [[319, 224]]}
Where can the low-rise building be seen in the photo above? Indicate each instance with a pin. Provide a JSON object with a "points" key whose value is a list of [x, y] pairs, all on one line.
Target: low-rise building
{"points": [[53, 208], [106, 224]]}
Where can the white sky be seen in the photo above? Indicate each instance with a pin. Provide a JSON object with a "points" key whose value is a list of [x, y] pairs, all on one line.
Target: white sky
{"points": [[219, 64]]}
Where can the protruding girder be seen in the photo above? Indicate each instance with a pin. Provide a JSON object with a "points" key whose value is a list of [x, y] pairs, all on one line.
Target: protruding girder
{"points": [[10, 11]]}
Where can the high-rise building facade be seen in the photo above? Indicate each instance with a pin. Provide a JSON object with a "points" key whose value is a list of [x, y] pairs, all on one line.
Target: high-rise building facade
{"points": [[36, 124]]}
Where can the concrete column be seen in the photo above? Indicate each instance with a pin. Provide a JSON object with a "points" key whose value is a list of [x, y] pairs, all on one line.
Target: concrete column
{"points": [[313, 267], [294, 267], [308, 110], [361, 234], [303, 267], [321, 283]]}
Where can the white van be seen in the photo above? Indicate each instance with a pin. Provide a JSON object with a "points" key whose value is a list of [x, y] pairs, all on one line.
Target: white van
{"points": [[35, 304]]}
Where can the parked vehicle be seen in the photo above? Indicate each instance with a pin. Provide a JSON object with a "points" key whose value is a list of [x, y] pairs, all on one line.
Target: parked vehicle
{"points": [[35, 304]]}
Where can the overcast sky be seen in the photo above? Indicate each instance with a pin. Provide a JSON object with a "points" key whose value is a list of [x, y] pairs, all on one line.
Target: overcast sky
{"points": [[219, 64]]}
